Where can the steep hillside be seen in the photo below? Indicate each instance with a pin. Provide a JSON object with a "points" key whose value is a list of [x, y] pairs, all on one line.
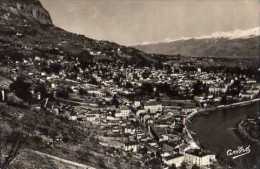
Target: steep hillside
{"points": [[26, 30]]}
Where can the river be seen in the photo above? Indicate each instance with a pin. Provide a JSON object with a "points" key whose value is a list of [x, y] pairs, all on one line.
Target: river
{"points": [[215, 131]]}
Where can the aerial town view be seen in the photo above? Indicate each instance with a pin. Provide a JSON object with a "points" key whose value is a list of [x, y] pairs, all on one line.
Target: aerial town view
{"points": [[148, 84]]}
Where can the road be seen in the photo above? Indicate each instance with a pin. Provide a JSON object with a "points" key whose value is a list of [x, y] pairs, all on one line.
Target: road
{"points": [[64, 161]]}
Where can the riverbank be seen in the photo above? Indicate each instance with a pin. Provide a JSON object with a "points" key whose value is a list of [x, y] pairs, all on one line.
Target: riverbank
{"points": [[215, 129], [244, 133], [222, 107], [207, 110]]}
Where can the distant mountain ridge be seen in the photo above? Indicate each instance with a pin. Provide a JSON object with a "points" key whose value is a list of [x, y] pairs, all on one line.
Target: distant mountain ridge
{"points": [[238, 43], [236, 34]]}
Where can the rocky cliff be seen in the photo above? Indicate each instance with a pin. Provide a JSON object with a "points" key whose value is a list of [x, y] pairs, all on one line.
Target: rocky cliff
{"points": [[30, 9]]}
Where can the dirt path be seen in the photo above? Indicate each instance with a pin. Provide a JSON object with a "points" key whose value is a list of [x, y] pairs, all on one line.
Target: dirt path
{"points": [[64, 161]]}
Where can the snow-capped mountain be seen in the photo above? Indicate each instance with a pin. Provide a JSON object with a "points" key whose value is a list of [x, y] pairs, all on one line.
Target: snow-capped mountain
{"points": [[235, 34], [238, 43]]}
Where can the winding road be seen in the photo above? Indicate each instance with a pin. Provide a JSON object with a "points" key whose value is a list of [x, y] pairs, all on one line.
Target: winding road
{"points": [[64, 161]]}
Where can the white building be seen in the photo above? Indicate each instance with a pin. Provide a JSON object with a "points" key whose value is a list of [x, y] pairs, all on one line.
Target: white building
{"points": [[189, 108], [137, 103], [92, 117], [153, 107], [190, 158], [214, 90], [199, 159], [177, 160], [247, 95], [3, 95], [131, 146], [96, 93], [124, 112]]}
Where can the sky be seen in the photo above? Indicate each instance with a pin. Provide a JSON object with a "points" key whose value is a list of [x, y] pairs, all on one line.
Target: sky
{"points": [[131, 22]]}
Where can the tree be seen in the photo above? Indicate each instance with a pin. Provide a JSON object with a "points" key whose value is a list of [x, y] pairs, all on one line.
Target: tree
{"points": [[195, 167], [198, 88], [11, 142], [183, 165], [147, 88], [21, 88], [82, 91], [155, 163], [173, 166], [63, 92], [212, 166]]}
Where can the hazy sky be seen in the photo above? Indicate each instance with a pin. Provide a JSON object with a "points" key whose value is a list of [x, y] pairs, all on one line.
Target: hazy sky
{"points": [[136, 21]]}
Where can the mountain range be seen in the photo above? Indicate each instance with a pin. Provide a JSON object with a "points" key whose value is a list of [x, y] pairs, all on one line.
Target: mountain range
{"points": [[234, 44]]}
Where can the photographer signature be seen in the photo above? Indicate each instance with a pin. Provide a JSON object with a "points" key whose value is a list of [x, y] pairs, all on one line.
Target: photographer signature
{"points": [[239, 152]]}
